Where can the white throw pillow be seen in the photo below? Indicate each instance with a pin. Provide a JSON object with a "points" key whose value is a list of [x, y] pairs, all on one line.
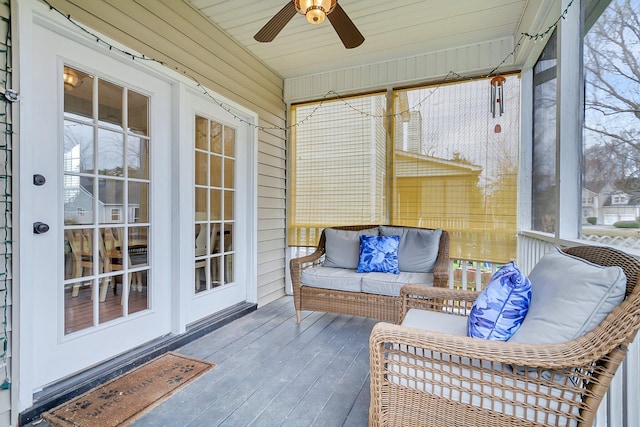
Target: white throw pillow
{"points": [[569, 297], [342, 247], [418, 250]]}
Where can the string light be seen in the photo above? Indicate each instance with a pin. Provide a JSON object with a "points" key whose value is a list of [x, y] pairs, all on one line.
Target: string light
{"points": [[540, 36], [331, 94], [9, 97]]}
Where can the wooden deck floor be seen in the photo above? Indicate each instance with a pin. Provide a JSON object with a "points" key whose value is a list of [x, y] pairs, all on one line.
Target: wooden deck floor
{"points": [[272, 372]]}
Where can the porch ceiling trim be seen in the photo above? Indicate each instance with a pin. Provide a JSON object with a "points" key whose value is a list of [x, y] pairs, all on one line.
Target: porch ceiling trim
{"points": [[433, 66]]}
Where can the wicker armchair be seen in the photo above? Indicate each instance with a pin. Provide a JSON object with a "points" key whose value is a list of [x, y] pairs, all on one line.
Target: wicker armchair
{"points": [[427, 378]]}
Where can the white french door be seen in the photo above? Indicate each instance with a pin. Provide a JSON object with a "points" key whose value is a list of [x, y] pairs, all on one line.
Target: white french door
{"points": [[220, 199], [97, 282]]}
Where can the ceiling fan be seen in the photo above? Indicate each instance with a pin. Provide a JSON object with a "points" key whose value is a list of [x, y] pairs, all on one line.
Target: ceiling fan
{"points": [[315, 11]]}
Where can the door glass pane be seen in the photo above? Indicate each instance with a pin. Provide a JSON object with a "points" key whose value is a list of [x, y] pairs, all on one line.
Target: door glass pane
{"points": [[201, 204], [78, 93], [78, 147], [109, 307], [106, 263], [138, 246], [138, 210], [78, 250], [228, 268], [201, 272], [216, 168], [110, 153], [78, 200], [201, 168], [228, 238], [213, 237], [110, 104], [202, 240], [228, 205], [229, 141], [216, 138], [138, 113], [215, 209], [216, 272], [138, 157], [138, 297], [111, 194], [228, 172], [201, 133], [78, 306]]}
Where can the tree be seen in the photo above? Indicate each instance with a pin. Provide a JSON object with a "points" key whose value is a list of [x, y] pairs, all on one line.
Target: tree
{"points": [[612, 96]]}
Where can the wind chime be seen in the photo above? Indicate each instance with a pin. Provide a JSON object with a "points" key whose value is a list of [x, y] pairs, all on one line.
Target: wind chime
{"points": [[497, 95], [497, 98]]}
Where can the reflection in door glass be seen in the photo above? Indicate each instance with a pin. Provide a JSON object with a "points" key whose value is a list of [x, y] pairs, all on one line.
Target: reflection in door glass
{"points": [[78, 200], [111, 195], [78, 306], [138, 196], [78, 147], [106, 238], [110, 104], [138, 157], [138, 113], [110, 153], [78, 93], [214, 204]]}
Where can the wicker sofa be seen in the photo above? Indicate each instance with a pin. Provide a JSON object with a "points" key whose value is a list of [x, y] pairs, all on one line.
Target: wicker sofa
{"points": [[432, 374], [314, 284]]}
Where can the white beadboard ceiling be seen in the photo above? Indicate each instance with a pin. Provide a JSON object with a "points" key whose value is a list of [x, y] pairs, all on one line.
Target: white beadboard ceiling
{"points": [[392, 29]]}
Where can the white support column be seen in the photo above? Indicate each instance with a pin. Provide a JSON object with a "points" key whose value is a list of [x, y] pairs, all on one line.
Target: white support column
{"points": [[570, 113], [526, 150]]}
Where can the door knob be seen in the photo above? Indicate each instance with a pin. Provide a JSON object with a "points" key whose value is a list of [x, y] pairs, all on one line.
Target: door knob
{"points": [[40, 227]]}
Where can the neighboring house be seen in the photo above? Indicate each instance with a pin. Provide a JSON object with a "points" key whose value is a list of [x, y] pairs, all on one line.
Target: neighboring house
{"points": [[620, 206], [449, 191], [590, 204], [594, 195], [79, 208], [450, 196]]}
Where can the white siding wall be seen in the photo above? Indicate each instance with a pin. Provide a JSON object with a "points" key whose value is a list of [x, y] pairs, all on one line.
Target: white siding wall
{"points": [[175, 33]]}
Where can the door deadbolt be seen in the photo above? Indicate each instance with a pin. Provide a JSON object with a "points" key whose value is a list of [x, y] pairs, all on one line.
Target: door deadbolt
{"points": [[40, 227], [39, 179]]}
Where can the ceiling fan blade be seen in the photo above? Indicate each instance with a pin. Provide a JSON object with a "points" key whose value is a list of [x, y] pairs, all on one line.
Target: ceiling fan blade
{"points": [[345, 28], [276, 24]]}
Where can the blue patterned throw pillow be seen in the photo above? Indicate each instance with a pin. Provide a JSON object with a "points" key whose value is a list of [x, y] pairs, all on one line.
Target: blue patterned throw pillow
{"points": [[500, 308], [379, 253]]}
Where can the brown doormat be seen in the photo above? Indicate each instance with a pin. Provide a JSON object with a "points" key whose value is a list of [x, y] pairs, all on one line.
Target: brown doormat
{"points": [[121, 400]]}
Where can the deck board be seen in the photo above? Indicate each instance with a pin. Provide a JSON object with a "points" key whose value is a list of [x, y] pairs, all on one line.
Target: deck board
{"points": [[272, 372]]}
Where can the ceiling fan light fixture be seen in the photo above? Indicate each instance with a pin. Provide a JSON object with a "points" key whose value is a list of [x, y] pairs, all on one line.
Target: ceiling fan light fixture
{"points": [[315, 15], [315, 10]]}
